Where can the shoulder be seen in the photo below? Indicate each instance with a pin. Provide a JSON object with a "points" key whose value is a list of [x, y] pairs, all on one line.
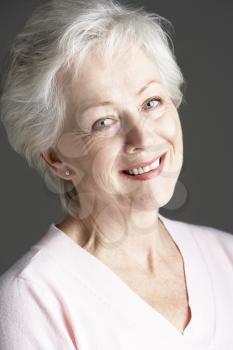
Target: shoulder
{"points": [[10, 277], [33, 270], [17, 284], [201, 231], [27, 281], [30, 312], [208, 238], [210, 234], [35, 266]]}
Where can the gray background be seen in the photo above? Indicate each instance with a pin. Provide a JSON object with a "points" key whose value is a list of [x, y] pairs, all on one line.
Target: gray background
{"points": [[203, 41]]}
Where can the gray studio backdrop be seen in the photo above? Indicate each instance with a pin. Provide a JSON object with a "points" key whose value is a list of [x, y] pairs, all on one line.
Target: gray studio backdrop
{"points": [[203, 40]]}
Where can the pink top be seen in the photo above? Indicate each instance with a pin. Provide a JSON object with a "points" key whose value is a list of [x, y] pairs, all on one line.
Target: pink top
{"points": [[58, 296]]}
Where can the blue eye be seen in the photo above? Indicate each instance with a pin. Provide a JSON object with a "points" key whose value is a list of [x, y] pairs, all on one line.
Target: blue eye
{"points": [[103, 123], [152, 103]]}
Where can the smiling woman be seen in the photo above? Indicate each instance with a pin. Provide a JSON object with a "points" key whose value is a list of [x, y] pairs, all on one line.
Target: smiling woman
{"points": [[133, 138], [91, 100]]}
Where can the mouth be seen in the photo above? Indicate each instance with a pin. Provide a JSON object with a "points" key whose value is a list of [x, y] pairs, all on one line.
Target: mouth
{"points": [[142, 170]]}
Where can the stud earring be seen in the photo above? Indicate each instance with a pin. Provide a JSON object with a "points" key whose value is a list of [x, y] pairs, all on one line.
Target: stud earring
{"points": [[67, 172]]}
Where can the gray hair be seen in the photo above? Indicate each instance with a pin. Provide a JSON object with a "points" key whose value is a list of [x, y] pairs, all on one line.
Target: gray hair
{"points": [[33, 103]]}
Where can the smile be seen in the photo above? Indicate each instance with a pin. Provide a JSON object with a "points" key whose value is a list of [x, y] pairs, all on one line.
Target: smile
{"points": [[145, 171]]}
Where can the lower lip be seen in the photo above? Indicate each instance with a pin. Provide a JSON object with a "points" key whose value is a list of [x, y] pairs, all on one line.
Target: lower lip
{"points": [[151, 174]]}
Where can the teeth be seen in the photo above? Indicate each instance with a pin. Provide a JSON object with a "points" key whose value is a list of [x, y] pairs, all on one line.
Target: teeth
{"points": [[140, 170], [155, 164], [145, 169]]}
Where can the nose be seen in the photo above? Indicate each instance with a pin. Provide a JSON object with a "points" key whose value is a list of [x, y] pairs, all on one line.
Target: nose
{"points": [[138, 136]]}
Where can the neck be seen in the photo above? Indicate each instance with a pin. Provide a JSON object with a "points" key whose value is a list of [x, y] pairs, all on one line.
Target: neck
{"points": [[127, 239]]}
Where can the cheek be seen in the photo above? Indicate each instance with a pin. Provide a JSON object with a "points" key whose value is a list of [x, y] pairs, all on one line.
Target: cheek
{"points": [[72, 146], [103, 166], [80, 150], [77, 145], [169, 127]]}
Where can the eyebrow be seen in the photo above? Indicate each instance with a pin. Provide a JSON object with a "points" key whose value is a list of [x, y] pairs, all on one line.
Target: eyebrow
{"points": [[146, 86], [107, 103]]}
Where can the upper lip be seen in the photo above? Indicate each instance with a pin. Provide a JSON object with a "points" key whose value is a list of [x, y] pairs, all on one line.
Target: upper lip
{"points": [[144, 164]]}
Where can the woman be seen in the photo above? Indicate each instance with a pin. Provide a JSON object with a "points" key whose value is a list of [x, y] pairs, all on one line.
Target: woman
{"points": [[91, 99]]}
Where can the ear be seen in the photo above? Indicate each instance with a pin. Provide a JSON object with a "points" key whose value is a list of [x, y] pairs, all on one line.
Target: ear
{"points": [[56, 165]]}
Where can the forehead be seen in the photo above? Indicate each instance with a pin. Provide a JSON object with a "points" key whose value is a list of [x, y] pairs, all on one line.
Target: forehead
{"points": [[130, 70]]}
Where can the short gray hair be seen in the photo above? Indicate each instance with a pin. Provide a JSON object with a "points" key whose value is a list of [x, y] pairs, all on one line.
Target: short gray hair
{"points": [[33, 105]]}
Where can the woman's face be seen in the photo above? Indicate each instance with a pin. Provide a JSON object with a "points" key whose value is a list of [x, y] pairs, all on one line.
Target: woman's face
{"points": [[120, 115]]}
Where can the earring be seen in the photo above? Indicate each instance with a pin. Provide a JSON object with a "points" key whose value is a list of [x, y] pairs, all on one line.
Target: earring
{"points": [[67, 172]]}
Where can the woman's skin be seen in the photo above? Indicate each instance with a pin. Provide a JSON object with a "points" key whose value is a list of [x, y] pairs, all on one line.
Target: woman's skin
{"points": [[120, 114]]}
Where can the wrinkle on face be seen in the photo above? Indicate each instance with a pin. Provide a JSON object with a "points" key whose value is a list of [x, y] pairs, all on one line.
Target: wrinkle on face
{"points": [[101, 155], [120, 214]]}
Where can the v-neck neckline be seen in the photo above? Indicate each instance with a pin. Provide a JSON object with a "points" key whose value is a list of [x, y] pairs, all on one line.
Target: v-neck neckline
{"points": [[105, 282]]}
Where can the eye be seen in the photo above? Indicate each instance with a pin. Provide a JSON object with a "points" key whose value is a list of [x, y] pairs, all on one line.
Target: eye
{"points": [[151, 103], [103, 123]]}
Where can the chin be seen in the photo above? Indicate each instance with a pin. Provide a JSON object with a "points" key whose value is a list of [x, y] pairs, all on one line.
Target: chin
{"points": [[156, 198]]}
